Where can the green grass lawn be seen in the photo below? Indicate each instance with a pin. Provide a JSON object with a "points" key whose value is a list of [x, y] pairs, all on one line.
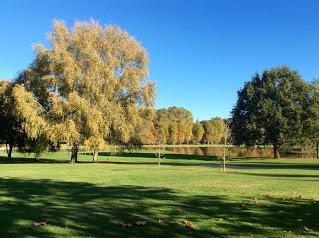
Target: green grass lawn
{"points": [[254, 198]]}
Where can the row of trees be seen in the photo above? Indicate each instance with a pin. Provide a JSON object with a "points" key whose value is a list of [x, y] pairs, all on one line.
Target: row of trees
{"points": [[175, 125], [90, 87], [33, 133]]}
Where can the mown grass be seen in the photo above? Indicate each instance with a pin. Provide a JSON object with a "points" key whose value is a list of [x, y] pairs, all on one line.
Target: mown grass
{"points": [[256, 197]]}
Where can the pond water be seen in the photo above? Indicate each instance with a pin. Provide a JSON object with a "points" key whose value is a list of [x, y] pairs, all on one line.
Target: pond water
{"points": [[235, 152], [217, 151]]}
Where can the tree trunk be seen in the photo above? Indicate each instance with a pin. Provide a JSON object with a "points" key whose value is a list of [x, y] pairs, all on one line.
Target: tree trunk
{"points": [[95, 156], [37, 157], [224, 157], [9, 151], [74, 153], [317, 150], [159, 156], [276, 152]]}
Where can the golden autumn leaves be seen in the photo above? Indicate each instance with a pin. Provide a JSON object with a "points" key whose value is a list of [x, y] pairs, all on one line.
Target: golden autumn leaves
{"points": [[90, 87], [190, 226], [290, 207]]}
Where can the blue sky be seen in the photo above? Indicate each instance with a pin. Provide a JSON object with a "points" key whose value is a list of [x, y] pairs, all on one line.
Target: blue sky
{"points": [[201, 51]]}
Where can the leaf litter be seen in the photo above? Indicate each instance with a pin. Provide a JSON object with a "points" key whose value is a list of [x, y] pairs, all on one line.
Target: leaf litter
{"points": [[41, 223]]}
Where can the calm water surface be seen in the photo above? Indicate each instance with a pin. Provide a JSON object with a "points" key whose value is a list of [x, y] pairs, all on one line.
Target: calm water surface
{"points": [[217, 151], [234, 152]]}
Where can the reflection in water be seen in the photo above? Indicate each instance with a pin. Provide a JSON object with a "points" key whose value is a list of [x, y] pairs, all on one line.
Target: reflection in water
{"points": [[180, 150], [197, 151], [235, 152], [217, 151]]}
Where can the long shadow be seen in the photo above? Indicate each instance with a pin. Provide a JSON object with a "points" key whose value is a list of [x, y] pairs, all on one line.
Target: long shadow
{"points": [[87, 210], [170, 158], [191, 157], [28, 160], [173, 159], [168, 155], [302, 176], [273, 165], [110, 160]]}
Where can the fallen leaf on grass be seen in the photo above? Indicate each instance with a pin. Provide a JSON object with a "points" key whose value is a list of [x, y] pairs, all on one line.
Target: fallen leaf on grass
{"points": [[41, 223], [192, 226], [299, 220], [307, 214], [189, 224], [141, 223], [295, 205], [124, 225], [254, 200], [242, 205], [163, 220], [307, 229], [315, 200], [265, 195]]}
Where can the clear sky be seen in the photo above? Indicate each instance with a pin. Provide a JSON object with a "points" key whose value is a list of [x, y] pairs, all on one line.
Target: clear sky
{"points": [[201, 51]]}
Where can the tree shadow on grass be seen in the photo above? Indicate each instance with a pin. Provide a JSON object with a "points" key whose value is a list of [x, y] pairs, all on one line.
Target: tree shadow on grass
{"points": [[105, 157], [304, 177], [273, 165], [87, 210], [167, 155], [28, 160]]}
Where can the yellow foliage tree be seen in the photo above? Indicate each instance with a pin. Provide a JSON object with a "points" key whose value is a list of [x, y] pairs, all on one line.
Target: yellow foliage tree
{"points": [[93, 84]]}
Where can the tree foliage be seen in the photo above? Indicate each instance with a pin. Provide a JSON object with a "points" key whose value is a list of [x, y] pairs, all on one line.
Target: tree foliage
{"points": [[147, 133], [198, 132], [89, 87], [176, 122], [173, 132], [11, 132], [311, 125], [270, 109], [213, 130], [218, 129]]}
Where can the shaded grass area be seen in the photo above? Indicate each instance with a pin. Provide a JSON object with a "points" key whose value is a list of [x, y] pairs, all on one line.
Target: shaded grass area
{"points": [[284, 163], [90, 200], [141, 157]]}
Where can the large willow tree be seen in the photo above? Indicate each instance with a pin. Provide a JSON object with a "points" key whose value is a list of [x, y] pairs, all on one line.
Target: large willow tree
{"points": [[91, 85]]}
